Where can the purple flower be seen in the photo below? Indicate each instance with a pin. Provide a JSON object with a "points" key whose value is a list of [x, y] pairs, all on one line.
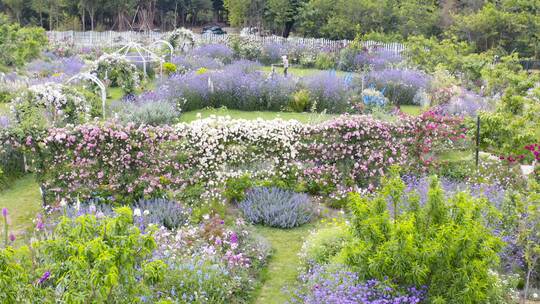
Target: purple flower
{"points": [[234, 238], [44, 277], [4, 212], [12, 237]]}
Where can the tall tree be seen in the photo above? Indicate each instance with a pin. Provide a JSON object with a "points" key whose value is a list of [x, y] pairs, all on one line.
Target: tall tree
{"points": [[16, 7]]}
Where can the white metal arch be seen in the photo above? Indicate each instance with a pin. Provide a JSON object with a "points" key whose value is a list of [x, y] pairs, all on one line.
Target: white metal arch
{"points": [[171, 48], [93, 78], [148, 56]]}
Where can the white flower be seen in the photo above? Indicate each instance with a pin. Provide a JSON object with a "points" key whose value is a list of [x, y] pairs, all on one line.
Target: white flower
{"points": [[137, 212], [63, 203], [146, 212]]}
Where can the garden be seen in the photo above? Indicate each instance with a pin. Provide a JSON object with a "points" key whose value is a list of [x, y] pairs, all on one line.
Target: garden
{"points": [[184, 170]]}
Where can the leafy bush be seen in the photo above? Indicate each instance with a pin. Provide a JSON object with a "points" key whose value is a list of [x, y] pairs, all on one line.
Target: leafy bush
{"points": [[322, 246], [236, 187], [300, 101], [18, 45], [445, 244], [86, 259], [153, 113], [51, 104], [277, 207], [325, 61], [118, 71], [169, 68]]}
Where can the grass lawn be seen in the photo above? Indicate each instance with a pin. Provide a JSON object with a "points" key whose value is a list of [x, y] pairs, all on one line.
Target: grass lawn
{"points": [[300, 71], [23, 201], [282, 269], [237, 114], [412, 109]]}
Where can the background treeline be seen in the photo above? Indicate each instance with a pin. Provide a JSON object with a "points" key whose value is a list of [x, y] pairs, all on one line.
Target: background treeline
{"points": [[509, 25]]}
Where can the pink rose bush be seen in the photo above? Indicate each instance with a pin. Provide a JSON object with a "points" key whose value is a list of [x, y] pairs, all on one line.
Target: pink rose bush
{"points": [[126, 163], [357, 150]]}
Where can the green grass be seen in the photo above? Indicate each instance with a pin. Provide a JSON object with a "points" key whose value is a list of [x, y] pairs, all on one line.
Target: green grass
{"points": [[4, 108], [282, 270], [412, 109], [23, 201], [251, 115], [300, 72]]}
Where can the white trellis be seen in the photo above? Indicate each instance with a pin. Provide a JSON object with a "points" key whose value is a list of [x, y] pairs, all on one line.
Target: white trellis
{"points": [[144, 56], [166, 43], [93, 78]]}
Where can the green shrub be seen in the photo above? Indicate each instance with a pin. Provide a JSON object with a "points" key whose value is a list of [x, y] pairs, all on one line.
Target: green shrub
{"points": [[86, 260], [235, 188], [18, 45], [325, 61], [322, 246], [169, 68], [300, 101], [444, 244]]}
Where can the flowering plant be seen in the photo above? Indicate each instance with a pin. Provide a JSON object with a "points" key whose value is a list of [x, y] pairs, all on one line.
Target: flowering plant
{"points": [[118, 70], [181, 39], [61, 104]]}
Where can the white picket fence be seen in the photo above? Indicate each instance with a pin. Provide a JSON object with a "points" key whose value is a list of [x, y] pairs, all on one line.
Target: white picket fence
{"points": [[110, 38]]}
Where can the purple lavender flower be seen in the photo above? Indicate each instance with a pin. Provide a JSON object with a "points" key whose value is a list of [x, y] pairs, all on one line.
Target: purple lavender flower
{"points": [[44, 277], [12, 237], [322, 285], [4, 212]]}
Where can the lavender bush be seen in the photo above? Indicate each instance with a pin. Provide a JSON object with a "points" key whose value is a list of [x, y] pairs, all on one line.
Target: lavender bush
{"points": [[166, 213], [220, 52], [376, 60], [325, 285], [149, 112], [399, 85], [467, 104], [276, 207], [329, 91], [57, 65]]}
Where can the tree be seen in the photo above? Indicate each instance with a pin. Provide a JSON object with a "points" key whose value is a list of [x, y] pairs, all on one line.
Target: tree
{"points": [[16, 7]]}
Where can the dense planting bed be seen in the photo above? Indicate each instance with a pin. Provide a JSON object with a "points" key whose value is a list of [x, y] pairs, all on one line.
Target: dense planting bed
{"points": [[353, 178]]}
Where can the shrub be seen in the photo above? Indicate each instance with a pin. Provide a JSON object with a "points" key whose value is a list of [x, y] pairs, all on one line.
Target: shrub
{"points": [[400, 86], [120, 72], [445, 244], [18, 45], [276, 207], [169, 68], [325, 61], [162, 212], [153, 113], [51, 104], [103, 259], [235, 188], [300, 101], [322, 246]]}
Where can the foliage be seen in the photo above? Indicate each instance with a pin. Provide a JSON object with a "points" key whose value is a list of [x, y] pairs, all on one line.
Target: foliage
{"points": [[169, 68], [181, 39], [423, 244], [18, 45], [50, 104], [118, 72], [276, 207], [236, 187], [323, 245], [163, 212], [86, 259], [153, 113], [300, 101]]}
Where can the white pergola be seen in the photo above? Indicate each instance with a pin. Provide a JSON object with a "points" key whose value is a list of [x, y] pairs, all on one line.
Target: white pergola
{"points": [[93, 78], [142, 55], [167, 44]]}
